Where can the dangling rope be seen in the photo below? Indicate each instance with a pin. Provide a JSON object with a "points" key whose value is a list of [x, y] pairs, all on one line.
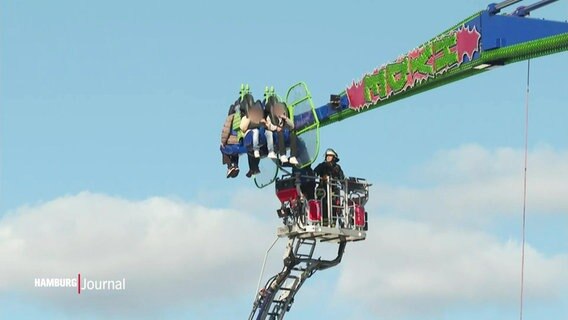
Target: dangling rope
{"points": [[525, 188]]}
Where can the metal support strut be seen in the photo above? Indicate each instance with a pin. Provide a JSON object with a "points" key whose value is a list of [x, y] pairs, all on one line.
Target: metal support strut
{"points": [[277, 296]]}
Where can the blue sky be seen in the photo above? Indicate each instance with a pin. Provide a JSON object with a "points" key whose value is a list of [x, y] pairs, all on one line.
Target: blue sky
{"points": [[111, 108]]}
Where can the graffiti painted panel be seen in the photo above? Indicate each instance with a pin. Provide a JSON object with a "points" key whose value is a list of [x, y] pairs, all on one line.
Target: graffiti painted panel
{"points": [[420, 65]]}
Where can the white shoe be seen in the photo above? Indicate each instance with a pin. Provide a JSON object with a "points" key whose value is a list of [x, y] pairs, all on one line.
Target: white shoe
{"points": [[283, 158], [293, 160], [256, 154], [272, 155]]}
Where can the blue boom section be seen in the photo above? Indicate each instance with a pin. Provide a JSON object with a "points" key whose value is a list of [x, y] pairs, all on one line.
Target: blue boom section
{"points": [[499, 31]]}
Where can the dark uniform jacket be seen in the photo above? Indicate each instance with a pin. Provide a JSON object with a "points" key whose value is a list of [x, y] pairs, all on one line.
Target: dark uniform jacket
{"points": [[331, 169]]}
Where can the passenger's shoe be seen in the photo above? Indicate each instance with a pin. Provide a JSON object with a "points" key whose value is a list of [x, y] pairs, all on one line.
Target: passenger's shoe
{"points": [[256, 154], [252, 172], [235, 172], [293, 160], [232, 171], [283, 158], [272, 155]]}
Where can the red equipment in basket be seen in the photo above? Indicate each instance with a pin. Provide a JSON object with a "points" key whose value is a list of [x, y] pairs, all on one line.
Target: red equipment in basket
{"points": [[286, 190], [359, 215], [287, 195], [314, 210]]}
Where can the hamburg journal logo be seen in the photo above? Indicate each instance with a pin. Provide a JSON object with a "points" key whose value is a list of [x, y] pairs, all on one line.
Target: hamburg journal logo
{"points": [[81, 284]]}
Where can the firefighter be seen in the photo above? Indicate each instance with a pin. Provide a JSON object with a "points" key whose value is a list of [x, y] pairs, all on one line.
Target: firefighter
{"points": [[330, 168], [326, 170]]}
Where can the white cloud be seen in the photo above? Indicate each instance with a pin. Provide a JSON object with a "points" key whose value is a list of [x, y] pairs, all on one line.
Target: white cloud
{"points": [[406, 268], [472, 184], [170, 252], [182, 255], [262, 203], [429, 250]]}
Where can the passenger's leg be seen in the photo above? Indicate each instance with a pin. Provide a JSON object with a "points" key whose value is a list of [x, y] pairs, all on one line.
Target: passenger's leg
{"points": [[282, 147], [293, 148], [253, 166], [234, 166], [270, 143], [226, 159], [293, 144], [255, 147]]}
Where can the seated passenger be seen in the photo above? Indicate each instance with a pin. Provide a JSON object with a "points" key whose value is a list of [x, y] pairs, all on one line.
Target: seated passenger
{"points": [[252, 122], [269, 132], [281, 119], [230, 134]]}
